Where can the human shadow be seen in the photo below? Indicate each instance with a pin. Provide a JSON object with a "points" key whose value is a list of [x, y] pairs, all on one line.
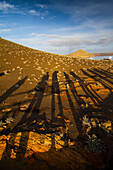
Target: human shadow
{"points": [[55, 123], [32, 110], [86, 89], [38, 123], [56, 90], [12, 89], [33, 121], [108, 106], [74, 91], [29, 123], [77, 116], [100, 74], [53, 100], [40, 89], [105, 72], [34, 106], [97, 79]]}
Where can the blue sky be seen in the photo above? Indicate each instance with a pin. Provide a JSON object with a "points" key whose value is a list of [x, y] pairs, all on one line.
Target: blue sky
{"points": [[59, 26]]}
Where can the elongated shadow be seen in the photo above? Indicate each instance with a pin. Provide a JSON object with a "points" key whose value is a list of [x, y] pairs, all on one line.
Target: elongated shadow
{"points": [[103, 103], [25, 136], [91, 87], [96, 72], [89, 93], [75, 113], [53, 90], [41, 89], [35, 103], [56, 89], [33, 113], [53, 101], [74, 91], [97, 79], [104, 72], [12, 89], [95, 92]]}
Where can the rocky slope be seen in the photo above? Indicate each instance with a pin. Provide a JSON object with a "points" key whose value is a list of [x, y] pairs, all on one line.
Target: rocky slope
{"points": [[56, 112]]}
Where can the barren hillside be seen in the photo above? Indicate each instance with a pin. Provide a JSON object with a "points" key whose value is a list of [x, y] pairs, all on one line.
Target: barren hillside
{"points": [[56, 112]]}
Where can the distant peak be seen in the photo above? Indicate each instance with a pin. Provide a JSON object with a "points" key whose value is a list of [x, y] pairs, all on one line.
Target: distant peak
{"points": [[81, 53]]}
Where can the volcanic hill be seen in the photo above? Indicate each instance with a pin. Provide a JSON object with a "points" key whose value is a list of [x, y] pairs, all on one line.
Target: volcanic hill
{"points": [[81, 54]]}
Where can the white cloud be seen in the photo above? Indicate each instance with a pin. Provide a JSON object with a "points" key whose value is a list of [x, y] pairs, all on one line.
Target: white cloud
{"points": [[4, 6], [68, 44], [76, 41], [41, 5], [45, 35], [33, 12], [5, 30], [9, 8]]}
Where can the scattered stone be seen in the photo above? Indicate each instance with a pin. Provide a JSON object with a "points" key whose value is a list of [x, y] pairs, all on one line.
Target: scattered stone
{"points": [[7, 110], [34, 92], [19, 78], [9, 120], [17, 85], [24, 107], [107, 125], [85, 121], [6, 72]]}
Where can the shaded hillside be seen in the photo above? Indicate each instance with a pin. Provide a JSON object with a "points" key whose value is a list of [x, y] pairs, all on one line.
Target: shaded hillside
{"points": [[80, 53]]}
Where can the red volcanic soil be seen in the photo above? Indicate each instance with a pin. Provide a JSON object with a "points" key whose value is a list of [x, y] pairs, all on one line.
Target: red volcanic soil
{"points": [[56, 112]]}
